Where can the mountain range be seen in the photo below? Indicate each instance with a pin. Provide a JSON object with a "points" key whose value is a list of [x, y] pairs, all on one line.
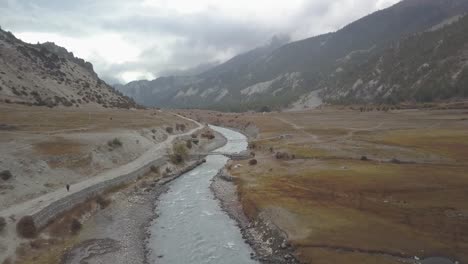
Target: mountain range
{"points": [[412, 51]]}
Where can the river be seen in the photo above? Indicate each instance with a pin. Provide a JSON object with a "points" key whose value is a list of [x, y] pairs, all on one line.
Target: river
{"points": [[192, 227]]}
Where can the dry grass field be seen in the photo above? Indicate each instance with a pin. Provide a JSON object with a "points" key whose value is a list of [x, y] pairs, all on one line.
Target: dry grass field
{"points": [[47, 148], [370, 187], [53, 120]]}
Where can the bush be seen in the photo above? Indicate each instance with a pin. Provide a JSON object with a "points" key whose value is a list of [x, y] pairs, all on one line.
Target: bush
{"points": [[253, 162], [180, 127], [103, 202], [364, 158], [154, 169], [169, 130], [179, 153], [189, 144], [75, 226], [6, 175], [26, 227], [115, 143], [194, 135], [176, 159], [282, 155], [2, 223], [264, 109], [208, 134]]}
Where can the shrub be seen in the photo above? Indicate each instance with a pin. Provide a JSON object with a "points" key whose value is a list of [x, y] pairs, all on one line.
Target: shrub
{"points": [[75, 226], [26, 227], [169, 130], [364, 158], [208, 134], [195, 141], [179, 153], [189, 144], [396, 161], [176, 159], [194, 135], [6, 175], [282, 155], [103, 202], [253, 162], [154, 169], [2, 223], [264, 109], [115, 143]]}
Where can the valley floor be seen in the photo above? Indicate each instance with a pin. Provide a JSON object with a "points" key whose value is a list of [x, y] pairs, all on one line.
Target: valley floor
{"points": [[357, 187]]}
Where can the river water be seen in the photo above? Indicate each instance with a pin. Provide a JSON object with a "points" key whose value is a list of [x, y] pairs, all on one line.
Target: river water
{"points": [[191, 227]]}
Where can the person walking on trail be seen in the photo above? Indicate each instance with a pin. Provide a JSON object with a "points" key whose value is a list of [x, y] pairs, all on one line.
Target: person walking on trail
{"points": [[68, 187]]}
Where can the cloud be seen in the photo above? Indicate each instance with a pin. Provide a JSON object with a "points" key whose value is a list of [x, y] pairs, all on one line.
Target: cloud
{"points": [[127, 40]]}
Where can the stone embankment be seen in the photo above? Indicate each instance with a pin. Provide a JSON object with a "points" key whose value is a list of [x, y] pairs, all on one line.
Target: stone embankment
{"points": [[44, 215]]}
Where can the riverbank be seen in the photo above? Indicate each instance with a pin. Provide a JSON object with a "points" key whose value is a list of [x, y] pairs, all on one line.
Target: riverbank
{"points": [[268, 241], [118, 233]]}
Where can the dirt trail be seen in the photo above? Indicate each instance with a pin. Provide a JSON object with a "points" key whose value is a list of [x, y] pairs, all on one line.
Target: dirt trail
{"points": [[30, 207], [299, 128]]}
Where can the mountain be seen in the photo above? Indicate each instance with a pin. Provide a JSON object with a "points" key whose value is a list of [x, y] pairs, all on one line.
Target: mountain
{"points": [[425, 67], [303, 71], [46, 74]]}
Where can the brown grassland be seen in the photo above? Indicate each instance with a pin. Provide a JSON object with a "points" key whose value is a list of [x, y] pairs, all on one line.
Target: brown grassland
{"points": [[43, 120], [406, 198]]}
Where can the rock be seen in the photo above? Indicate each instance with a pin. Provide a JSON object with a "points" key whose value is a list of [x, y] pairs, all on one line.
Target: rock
{"points": [[284, 244]]}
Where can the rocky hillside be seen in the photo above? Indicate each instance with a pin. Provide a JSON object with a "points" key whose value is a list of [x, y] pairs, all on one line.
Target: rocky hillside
{"points": [[304, 72], [425, 67], [49, 75]]}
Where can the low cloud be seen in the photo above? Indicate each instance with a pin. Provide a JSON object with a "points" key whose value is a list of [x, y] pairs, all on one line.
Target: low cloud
{"points": [[127, 40]]}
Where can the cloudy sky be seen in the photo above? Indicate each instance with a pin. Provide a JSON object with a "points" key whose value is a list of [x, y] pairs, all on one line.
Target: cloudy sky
{"points": [[143, 39]]}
